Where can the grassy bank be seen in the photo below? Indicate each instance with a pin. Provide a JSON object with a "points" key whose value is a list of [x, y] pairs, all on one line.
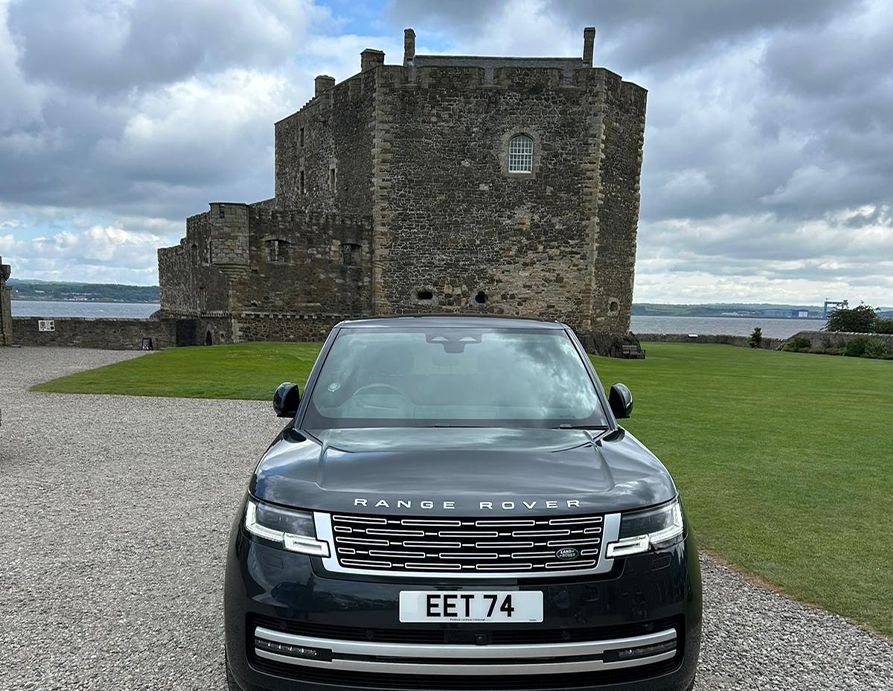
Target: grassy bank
{"points": [[783, 460]]}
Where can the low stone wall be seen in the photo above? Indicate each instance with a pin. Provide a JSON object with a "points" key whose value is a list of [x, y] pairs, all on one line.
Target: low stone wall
{"points": [[262, 326], [79, 332], [838, 339], [740, 341]]}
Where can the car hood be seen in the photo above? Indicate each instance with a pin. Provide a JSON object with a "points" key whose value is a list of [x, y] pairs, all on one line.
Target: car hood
{"points": [[460, 471]]}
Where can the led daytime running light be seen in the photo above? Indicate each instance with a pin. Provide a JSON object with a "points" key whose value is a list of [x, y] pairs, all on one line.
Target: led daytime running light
{"points": [[639, 544], [303, 544]]}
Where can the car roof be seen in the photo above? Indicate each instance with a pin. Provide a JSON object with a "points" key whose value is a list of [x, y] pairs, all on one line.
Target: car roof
{"points": [[460, 320]]}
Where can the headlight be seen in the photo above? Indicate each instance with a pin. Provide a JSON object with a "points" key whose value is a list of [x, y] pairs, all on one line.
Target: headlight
{"points": [[644, 530], [294, 530]]}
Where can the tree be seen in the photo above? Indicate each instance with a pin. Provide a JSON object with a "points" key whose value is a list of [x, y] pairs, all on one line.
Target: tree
{"points": [[883, 326], [859, 319], [756, 338]]}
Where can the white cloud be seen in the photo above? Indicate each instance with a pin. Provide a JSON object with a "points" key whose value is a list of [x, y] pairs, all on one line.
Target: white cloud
{"points": [[100, 254], [214, 128]]}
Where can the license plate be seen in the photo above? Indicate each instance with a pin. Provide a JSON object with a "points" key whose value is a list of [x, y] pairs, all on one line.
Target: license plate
{"points": [[464, 606]]}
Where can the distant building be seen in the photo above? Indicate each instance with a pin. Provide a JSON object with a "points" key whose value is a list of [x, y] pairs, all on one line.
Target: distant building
{"points": [[445, 184]]}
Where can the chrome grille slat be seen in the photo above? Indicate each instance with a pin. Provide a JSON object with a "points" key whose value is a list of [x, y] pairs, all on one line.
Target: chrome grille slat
{"points": [[462, 544]]}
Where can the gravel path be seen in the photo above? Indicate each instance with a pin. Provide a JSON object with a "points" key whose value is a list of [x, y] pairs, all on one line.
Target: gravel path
{"points": [[115, 516]]}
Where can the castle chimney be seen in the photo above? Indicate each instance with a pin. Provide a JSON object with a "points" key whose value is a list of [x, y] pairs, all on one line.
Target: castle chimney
{"points": [[408, 47], [588, 45], [370, 58], [323, 82]]}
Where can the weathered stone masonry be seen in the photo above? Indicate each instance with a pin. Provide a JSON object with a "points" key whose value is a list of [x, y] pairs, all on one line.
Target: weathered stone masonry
{"points": [[5, 306], [394, 195]]}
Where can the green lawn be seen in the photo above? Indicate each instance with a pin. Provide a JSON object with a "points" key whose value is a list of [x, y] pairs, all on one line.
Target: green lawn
{"points": [[783, 459], [251, 370]]}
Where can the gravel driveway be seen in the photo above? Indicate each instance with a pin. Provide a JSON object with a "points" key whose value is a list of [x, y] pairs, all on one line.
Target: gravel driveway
{"points": [[115, 516]]}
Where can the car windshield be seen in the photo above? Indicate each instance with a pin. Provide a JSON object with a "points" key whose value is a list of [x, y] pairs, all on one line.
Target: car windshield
{"points": [[453, 377]]}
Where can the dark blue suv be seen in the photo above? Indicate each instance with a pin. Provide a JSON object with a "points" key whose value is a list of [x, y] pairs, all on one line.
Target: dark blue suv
{"points": [[453, 505]]}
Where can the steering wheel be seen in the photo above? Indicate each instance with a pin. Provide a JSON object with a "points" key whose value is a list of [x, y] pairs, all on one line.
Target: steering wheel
{"points": [[388, 387]]}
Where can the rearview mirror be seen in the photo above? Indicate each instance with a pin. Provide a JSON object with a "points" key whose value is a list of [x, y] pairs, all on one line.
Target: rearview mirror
{"points": [[621, 401], [286, 400]]}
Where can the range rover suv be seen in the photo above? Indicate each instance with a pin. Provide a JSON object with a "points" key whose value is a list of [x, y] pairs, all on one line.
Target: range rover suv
{"points": [[453, 505]]}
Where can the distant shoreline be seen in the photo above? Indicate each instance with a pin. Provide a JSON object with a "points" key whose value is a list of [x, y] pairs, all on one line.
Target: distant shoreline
{"points": [[731, 325], [104, 301]]}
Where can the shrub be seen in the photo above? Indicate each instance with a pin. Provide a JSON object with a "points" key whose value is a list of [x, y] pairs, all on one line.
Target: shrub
{"points": [[875, 348], [883, 326], [798, 344], [855, 347], [756, 338], [827, 350], [860, 319]]}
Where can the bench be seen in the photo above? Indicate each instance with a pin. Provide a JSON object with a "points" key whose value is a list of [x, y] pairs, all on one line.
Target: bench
{"points": [[632, 351]]}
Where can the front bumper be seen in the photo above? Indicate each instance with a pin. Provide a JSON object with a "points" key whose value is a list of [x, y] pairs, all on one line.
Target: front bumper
{"points": [[291, 625]]}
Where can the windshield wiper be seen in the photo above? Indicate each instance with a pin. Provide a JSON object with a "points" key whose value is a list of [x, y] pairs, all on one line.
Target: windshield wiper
{"points": [[594, 428]]}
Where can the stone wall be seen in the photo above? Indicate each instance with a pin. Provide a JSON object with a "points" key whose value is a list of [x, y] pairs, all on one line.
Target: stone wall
{"points": [[333, 132], [838, 339], [617, 195], [189, 282], [5, 306], [451, 221], [283, 327], [257, 258], [740, 341], [111, 334]]}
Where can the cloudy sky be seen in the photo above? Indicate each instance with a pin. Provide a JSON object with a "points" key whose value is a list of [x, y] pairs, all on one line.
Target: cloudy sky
{"points": [[768, 172]]}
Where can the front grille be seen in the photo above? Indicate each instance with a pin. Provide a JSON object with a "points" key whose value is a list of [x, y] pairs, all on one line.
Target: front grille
{"points": [[466, 545]]}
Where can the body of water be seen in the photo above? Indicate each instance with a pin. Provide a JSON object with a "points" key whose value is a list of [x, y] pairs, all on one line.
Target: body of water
{"points": [[50, 308], [733, 326], [727, 326]]}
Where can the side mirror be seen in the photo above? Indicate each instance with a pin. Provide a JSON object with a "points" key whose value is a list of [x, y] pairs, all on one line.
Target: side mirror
{"points": [[286, 399], [621, 401]]}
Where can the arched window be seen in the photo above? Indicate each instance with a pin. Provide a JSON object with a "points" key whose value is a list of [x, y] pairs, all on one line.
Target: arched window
{"points": [[521, 154], [277, 251]]}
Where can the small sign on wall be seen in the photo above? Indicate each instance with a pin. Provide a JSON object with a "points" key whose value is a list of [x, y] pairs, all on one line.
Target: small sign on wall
{"points": [[46, 325]]}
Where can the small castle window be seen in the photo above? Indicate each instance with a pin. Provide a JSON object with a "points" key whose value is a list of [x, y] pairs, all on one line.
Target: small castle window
{"points": [[302, 136], [348, 253], [332, 179], [481, 297], [425, 295], [277, 251], [521, 154], [303, 188], [613, 307], [193, 254]]}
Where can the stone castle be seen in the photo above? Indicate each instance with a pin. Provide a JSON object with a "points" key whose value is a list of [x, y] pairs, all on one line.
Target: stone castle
{"points": [[445, 184]]}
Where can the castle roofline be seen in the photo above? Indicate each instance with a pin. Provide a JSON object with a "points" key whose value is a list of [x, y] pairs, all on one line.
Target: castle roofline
{"points": [[496, 61]]}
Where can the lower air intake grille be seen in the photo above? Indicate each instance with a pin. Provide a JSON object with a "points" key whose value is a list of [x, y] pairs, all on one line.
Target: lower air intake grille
{"points": [[460, 545], [458, 682]]}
